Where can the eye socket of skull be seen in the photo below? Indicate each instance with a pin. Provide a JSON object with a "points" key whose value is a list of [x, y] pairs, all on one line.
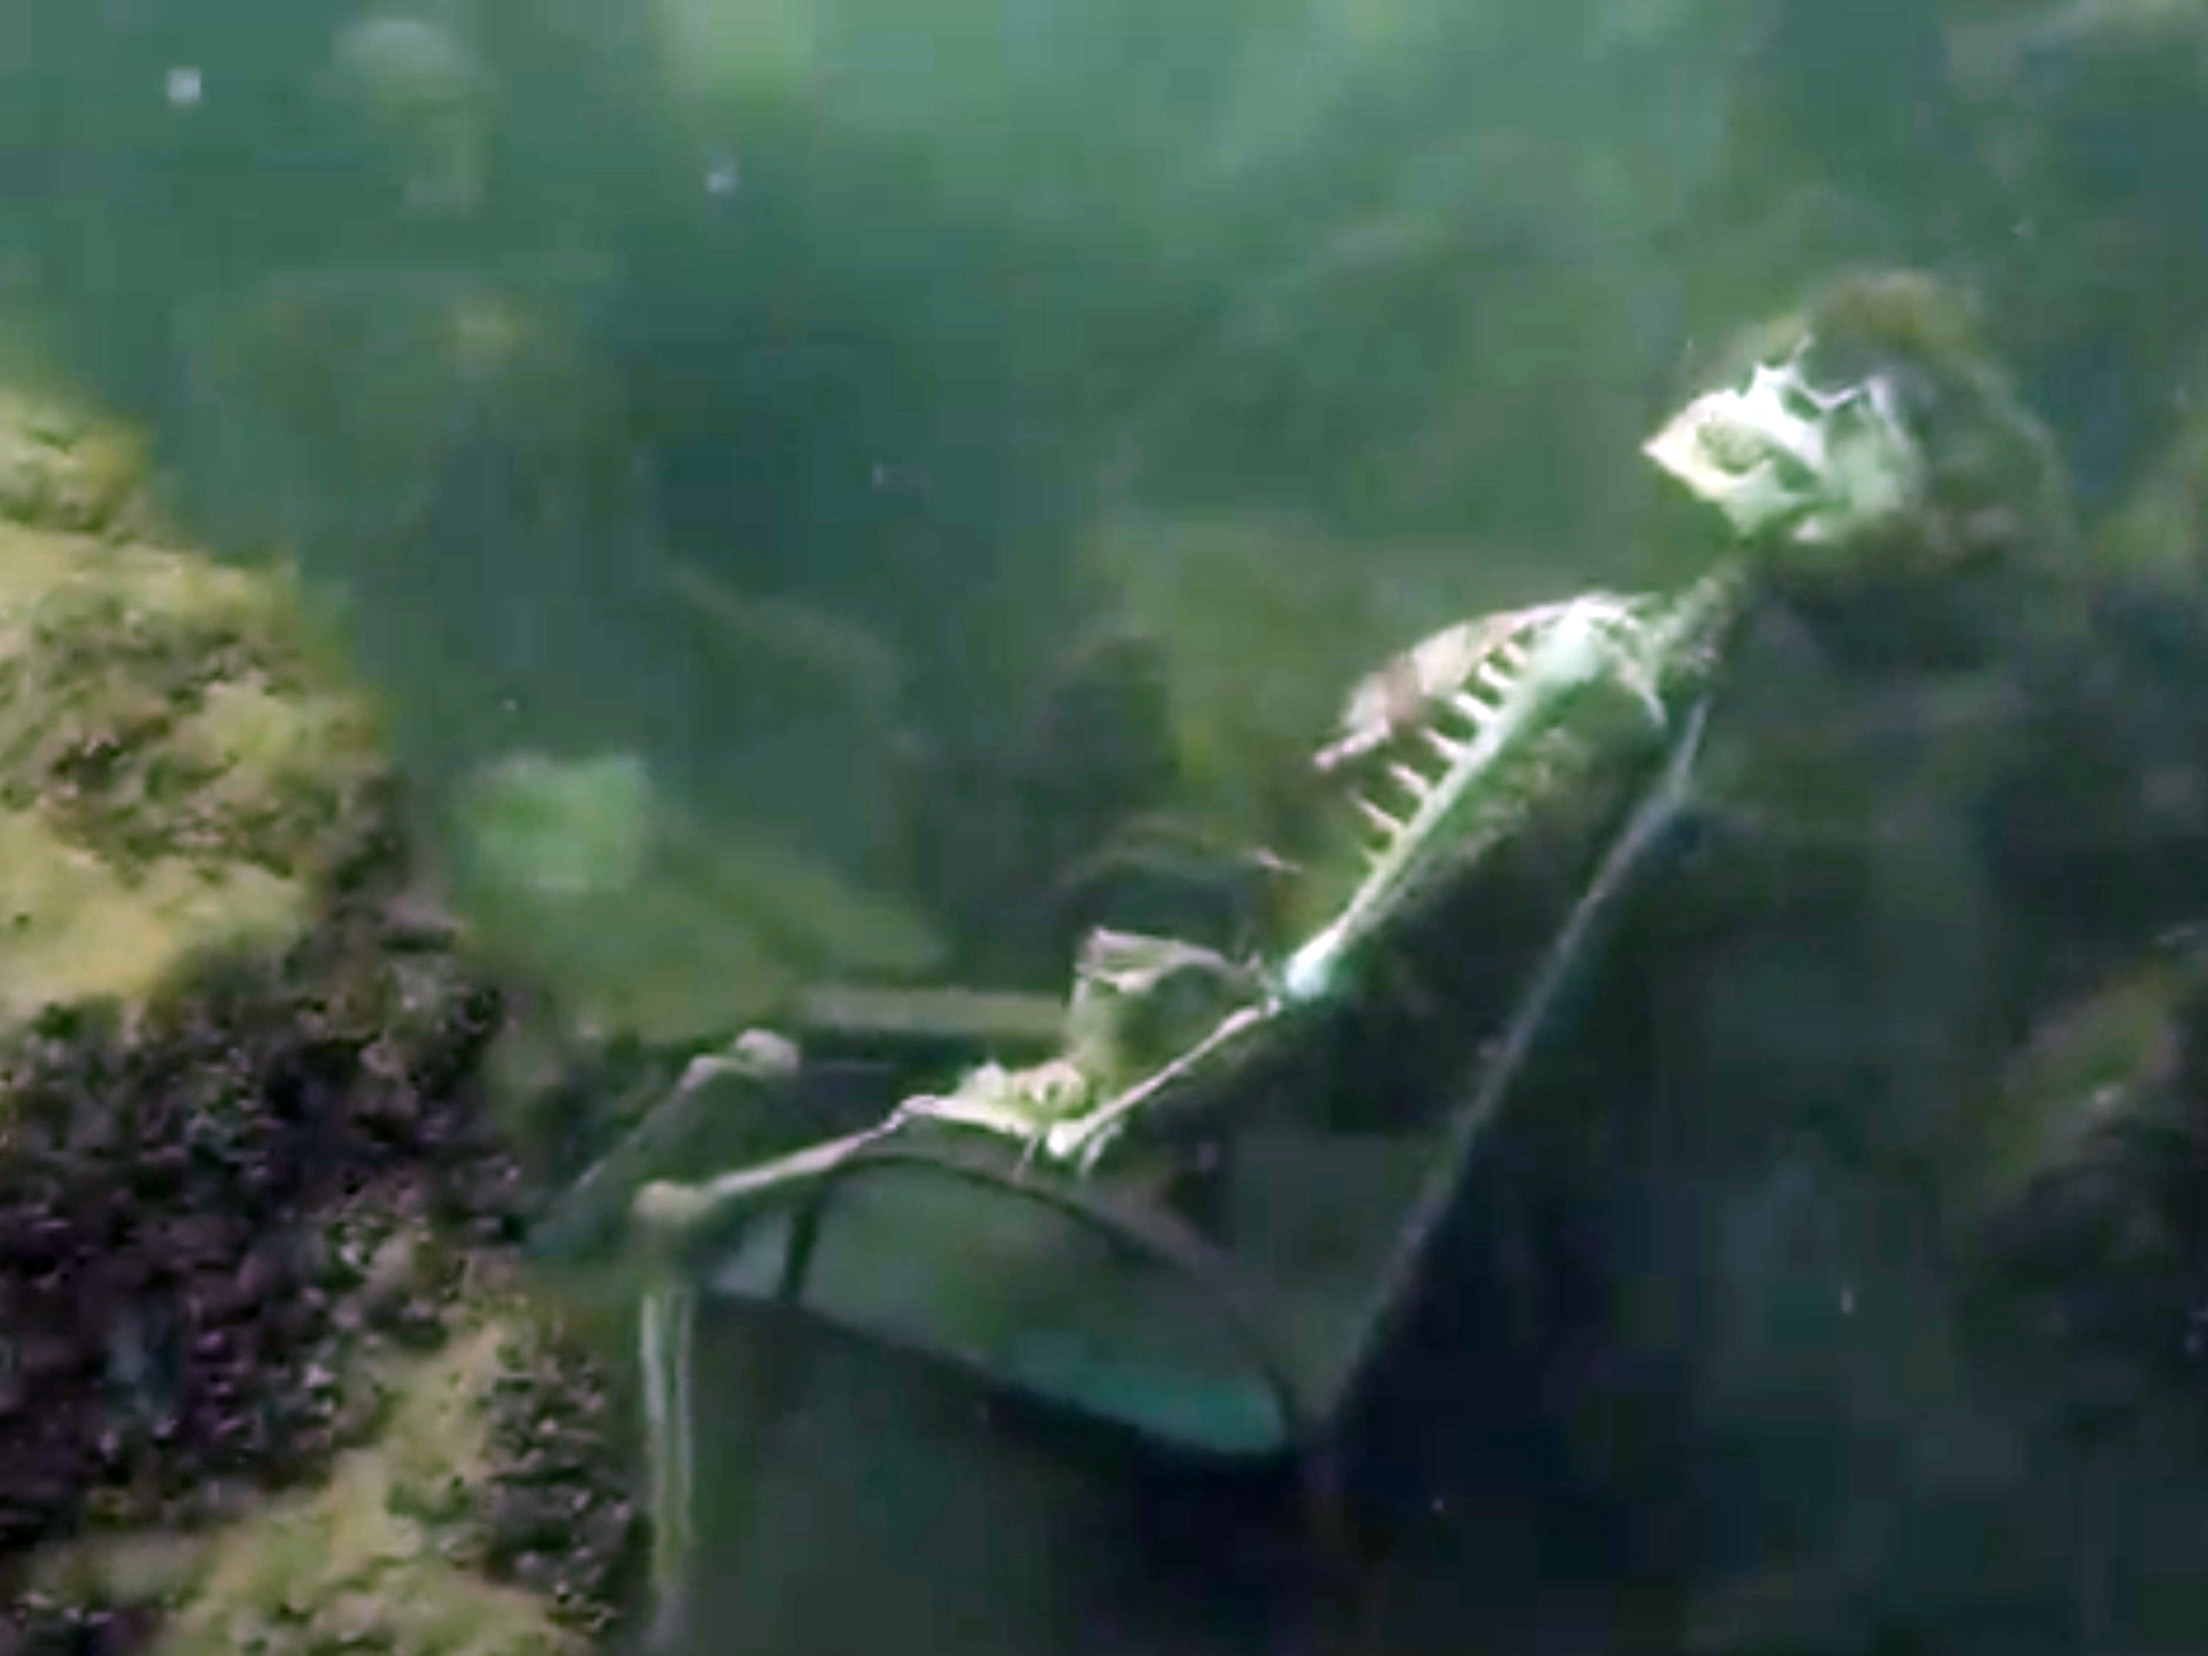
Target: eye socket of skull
{"points": [[1731, 446]]}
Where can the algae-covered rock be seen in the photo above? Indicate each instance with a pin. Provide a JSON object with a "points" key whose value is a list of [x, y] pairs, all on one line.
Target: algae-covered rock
{"points": [[184, 770], [180, 774], [2160, 529], [60, 469], [2157, 531], [2086, 1189], [240, 1150], [183, 767], [422, 1537], [357, 1562]]}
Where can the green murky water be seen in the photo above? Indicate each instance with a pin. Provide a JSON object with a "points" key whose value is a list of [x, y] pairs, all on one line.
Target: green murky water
{"points": [[851, 494]]}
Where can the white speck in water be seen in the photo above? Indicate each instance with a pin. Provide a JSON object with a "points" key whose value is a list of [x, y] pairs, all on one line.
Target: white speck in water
{"points": [[183, 86], [722, 177], [1847, 1302], [879, 476]]}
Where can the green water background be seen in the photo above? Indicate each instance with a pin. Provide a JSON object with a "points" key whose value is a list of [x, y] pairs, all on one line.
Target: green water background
{"points": [[943, 346], [967, 334]]}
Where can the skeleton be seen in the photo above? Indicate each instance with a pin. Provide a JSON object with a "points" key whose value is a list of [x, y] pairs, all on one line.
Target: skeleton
{"points": [[1819, 466], [1441, 753], [1497, 727]]}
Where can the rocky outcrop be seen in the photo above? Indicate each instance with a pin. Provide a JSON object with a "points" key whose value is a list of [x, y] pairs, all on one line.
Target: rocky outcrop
{"points": [[244, 1179]]}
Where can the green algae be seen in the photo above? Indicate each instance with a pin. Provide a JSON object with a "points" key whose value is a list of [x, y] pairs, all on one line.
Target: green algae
{"points": [[183, 772], [374, 1558], [74, 928]]}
